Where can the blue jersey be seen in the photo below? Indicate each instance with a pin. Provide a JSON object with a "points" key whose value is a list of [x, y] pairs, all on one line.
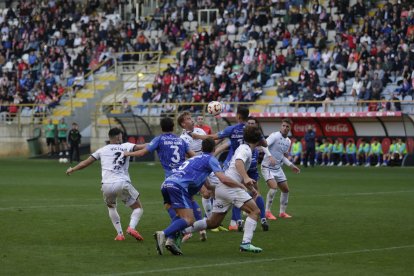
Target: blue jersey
{"points": [[253, 173], [235, 134], [192, 174], [171, 151]]}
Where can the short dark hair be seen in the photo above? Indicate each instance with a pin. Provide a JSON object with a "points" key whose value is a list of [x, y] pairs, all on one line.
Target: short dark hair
{"points": [[180, 118], [208, 145], [287, 121], [167, 124], [114, 132], [252, 134], [243, 112]]}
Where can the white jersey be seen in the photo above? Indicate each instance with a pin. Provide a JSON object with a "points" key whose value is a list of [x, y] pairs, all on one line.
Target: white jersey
{"points": [[244, 153], [194, 144], [113, 162], [278, 147]]}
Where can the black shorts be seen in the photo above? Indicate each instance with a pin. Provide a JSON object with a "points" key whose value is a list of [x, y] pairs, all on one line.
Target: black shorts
{"points": [[62, 139], [50, 141]]}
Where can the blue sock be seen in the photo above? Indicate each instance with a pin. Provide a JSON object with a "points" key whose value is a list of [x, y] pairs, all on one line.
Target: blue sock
{"points": [[261, 205], [171, 213], [235, 214], [196, 210], [177, 224]]}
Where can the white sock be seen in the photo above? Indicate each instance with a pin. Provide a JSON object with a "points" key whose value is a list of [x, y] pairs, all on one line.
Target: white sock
{"points": [[116, 219], [200, 225], [269, 198], [233, 223], [249, 227], [284, 199], [135, 217], [207, 206]]}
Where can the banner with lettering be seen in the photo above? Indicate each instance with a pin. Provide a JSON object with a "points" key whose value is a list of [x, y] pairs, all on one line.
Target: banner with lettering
{"points": [[337, 127], [300, 126]]}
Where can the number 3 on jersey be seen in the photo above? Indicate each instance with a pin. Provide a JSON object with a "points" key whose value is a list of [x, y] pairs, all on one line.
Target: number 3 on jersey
{"points": [[175, 155]]}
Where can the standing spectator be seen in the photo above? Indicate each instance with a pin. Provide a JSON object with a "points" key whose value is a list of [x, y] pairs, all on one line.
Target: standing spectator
{"points": [[50, 132], [62, 129], [74, 138], [310, 147], [200, 124]]}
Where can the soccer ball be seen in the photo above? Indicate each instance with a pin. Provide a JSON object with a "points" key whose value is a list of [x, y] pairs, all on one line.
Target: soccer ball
{"points": [[63, 160], [214, 108]]}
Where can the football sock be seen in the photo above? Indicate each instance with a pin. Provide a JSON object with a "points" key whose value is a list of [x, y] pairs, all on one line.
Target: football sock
{"points": [[284, 198], [235, 214], [269, 198], [135, 217], [260, 204], [197, 226], [249, 227], [171, 213], [207, 206], [196, 210], [176, 225], [116, 220]]}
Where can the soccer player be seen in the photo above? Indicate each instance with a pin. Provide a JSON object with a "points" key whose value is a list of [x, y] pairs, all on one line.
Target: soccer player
{"points": [[178, 189], [272, 172], [236, 223], [401, 149], [228, 195], [337, 151], [351, 153], [186, 122], [62, 128], [296, 152], [326, 149], [390, 155], [116, 182], [376, 150], [234, 133], [362, 153], [50, 129], [171, 151]]}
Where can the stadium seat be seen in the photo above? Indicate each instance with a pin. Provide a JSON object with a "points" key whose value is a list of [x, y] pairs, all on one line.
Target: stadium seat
{"points": [[410, 145], [385, 144]]}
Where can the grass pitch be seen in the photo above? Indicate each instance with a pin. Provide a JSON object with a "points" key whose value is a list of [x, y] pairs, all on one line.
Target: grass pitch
{"points": [[346, 221]]}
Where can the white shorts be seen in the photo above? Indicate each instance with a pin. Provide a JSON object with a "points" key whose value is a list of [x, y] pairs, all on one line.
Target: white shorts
{"points": [[277, 174], [226, 197], [123, 190]]}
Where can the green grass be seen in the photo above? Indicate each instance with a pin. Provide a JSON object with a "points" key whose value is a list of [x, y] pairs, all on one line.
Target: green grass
{"points": [[347, 221]]}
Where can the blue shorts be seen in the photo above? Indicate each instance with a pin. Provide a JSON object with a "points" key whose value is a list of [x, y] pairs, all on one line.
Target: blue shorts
{"points": [[176, 196]]}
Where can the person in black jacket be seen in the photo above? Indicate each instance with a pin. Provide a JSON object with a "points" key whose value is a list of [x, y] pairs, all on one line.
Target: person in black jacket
{"points": [[310, 147], [74, 139]]}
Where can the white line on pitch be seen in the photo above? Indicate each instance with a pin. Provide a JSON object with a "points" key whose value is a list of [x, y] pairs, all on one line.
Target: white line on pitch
{"points": [[263, 260]]}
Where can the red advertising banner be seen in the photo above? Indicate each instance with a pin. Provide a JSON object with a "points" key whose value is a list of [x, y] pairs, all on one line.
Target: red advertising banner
{"points": [[337, 127], [318, 115], [300, 126]]}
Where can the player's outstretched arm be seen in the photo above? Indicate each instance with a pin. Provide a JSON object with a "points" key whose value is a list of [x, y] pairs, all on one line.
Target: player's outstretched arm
{"points": [[138, 153], [221, 148], [140, 146], [228, 181], [81, 165], [291, 165]]}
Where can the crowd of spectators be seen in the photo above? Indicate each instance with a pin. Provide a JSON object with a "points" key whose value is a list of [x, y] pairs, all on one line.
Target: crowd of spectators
{"points": [[254, 44], [48, 46]]}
